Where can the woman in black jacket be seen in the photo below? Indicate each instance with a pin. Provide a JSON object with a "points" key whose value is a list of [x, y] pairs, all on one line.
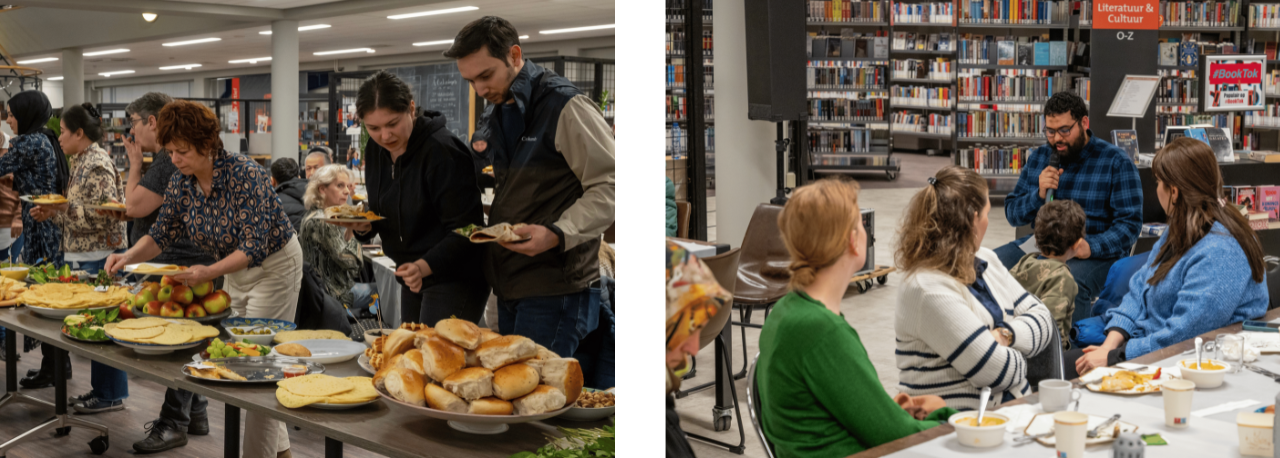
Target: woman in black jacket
{"points": [[420, 177]]}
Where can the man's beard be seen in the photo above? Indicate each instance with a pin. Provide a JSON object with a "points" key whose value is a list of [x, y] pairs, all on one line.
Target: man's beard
{"points": [[1073, 149]]}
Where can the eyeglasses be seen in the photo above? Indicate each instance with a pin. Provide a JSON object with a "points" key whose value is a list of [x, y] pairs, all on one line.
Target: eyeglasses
{"points": [[1063, 132], [133, 122]]}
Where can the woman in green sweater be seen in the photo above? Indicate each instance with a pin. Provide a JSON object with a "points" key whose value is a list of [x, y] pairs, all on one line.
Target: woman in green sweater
{"points": [[821, 396]]}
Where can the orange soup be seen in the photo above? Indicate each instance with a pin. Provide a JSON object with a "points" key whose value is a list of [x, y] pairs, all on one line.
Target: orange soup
{"points": [[1206, 366], [973, 421]]}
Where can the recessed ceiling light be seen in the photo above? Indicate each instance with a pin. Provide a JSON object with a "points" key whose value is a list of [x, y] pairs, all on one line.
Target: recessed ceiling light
{"points": [[433, 43], [192, 42], [345, 51], [301, 29], [121, 72], [524, 37], [37, 61], [175, 67], [149, 17], [248, 61], [56, 78], [103, 53], [433, 12], [576, 29]]}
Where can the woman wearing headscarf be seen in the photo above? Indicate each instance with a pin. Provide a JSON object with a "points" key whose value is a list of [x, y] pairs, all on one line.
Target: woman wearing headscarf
{"points": [[38, 166], [693, 297]]}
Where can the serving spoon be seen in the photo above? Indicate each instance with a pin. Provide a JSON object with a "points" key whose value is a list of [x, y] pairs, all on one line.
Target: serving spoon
{"points": [[982, 403]]}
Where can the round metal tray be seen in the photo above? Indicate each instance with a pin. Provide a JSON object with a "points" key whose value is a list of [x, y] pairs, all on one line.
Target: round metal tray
{"points": [[257, 369]]}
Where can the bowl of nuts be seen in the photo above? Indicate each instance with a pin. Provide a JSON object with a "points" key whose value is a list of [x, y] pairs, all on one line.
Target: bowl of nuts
{"points": [[592, 405]]}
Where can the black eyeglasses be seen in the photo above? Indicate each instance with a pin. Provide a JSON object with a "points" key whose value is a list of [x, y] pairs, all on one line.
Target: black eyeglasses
{"points": [[1063, 132]]}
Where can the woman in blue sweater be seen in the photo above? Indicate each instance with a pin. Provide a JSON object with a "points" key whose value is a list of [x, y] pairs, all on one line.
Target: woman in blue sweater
{"points": [[1206, 270]]}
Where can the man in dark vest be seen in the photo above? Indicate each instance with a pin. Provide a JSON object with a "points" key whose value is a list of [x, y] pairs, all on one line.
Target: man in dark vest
{"points": [[553, 159]]}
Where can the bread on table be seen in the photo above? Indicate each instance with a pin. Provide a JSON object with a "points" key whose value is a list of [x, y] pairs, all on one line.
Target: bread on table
{"points": [[473, 360], [293, 349], [487, 334], [564, 374], [387, 365], [398, 342], [513, 381], [462, 333], [471, 383], [412, 360], [441, 399], [441, 358], [506, 350], [544, 353], [543, 399], [422, 335], [490, 406], [405, 385]]}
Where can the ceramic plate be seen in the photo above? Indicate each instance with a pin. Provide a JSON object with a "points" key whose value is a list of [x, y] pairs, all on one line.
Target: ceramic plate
{"points": [[59, 314], [1043, 423], [275, 325], [133, 269], [77, 339], [326, 406], [472, 423], [257, 369], [153, 349], [31, 200], [205, 320], [1093, 381], [364, 364], [326, 351]]}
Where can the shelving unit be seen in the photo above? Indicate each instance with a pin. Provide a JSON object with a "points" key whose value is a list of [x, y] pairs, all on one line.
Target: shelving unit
{"points": [[690, 157]]}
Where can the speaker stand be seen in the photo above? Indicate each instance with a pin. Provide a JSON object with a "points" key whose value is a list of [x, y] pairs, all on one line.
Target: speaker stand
{"points": [[780, 148]]}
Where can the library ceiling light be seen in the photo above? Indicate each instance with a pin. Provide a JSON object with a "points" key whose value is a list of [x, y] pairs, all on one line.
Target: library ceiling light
{"points": [[345, 51], [301, 29], [56, 78], [175, 67], [248, 61], [192, 42], [576, 29], [433, 12], [37, 61], [121, 72], [103, 53], [445, 42], [149, 17]]}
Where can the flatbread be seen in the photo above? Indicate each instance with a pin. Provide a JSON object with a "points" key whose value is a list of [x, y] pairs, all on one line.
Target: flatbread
{"points": [[143, 323], [183, 322], [293, 400], [199, 332], [72, 296], [501, 232], [316, 385], [291, 336], [229, 374], [362, 391], [134, 335], [172, 335]]}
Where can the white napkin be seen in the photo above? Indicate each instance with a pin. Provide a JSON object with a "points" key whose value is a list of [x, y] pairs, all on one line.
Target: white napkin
{"points": [[1020, 415], [1237, 405]]}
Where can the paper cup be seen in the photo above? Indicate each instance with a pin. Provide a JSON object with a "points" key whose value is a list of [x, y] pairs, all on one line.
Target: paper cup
{"points": [[1069, 429], [1177, 402], [1055, 395]]}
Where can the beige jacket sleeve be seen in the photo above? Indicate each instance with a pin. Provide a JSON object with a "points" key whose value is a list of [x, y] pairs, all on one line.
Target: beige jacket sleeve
{"points": [[586, 141]]}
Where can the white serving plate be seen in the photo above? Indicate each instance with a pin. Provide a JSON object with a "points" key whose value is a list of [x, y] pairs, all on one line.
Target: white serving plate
{"points": [[59, 314], [327, 351], [1093, 380], [326, 406], [1043, 423], [153, 349], [133, 269], [475, 424], [364, 364], [576, 413]]}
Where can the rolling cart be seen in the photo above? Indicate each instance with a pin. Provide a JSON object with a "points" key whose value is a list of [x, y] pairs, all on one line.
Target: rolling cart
{"points": [[875, 273]]}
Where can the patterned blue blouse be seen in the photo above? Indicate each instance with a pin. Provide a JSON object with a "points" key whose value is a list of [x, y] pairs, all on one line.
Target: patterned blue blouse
{"points": [[241, 212], [32, 161]]}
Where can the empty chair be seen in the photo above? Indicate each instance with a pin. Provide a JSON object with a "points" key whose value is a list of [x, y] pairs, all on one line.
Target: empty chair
{"points": [[762, 271]]}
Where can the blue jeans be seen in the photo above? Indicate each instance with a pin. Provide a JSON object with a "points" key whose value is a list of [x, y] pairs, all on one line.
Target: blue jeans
{"points": [[555, 322], [363, 293], [181, 406], [109, 384], [1090, 275], [596, 352]]}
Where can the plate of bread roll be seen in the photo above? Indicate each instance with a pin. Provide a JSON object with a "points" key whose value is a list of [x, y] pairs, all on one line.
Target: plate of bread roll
{"points": [[475, 379]]}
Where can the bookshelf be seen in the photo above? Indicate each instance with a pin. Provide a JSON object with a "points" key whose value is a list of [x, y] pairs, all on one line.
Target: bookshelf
{"points": [[690, 101]]}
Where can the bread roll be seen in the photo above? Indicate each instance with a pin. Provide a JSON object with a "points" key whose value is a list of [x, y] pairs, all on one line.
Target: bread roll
{"points": [[293, 349], [441, 358], [462, 333], [420, 337], [441, 399], [513, 381], [412, 360], [387, 365], [490, 406], [471, 383], [487, 334], [405, 385], [544, 353], [398, 342], [564, 374], [472, 359], [543, 399], [506, 350]]}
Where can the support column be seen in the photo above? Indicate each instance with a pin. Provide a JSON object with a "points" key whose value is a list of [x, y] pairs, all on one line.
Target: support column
{"points": [[284, 89], [72, 77], [744, 148], [567, 52], [200, 89]]}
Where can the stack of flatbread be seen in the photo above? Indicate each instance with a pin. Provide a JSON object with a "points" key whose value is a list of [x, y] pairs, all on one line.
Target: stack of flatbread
{"points": [[325, 389], [72, 296], [294, 336], [501, 232], [160, 331]]}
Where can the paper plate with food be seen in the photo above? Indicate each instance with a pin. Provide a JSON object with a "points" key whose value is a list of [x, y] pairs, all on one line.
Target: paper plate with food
{"points": [[1043, 423], [57, 300], [170, 299], [158, 336], [323, 351], [154, 268], [1116, 380], [501, 232], [349, 214], [44, 199], [90, 326], [326, 392], [248, 369], [110, 205]]}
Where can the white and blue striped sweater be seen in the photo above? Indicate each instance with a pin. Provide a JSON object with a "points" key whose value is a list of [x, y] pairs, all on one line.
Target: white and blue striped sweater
{"points": [[944, 344]]}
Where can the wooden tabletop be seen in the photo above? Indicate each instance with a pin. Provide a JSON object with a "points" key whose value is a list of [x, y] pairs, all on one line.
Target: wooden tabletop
{"points": [[1149, 358], [382, 427]]}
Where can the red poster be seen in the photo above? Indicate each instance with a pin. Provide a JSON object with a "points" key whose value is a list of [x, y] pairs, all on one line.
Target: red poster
{"points": [[235, 105], [1126, 14], [1243, 73]]}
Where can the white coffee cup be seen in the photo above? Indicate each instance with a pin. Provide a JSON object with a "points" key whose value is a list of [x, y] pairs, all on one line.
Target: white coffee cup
{"points": [[1056, 395], [1177, 402], [1069, 429]]}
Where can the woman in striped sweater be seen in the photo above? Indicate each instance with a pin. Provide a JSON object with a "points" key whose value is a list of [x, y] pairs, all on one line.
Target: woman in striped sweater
{"points": [[963, 322]]}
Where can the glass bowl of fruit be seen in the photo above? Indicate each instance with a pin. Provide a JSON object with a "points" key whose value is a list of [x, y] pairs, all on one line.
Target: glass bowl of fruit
{"points": [[261, 335]]}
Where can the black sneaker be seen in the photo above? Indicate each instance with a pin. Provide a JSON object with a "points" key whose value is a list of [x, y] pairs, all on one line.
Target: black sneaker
{"points": [[95, 405], [73, 400], [199, 426], [161, 436]]}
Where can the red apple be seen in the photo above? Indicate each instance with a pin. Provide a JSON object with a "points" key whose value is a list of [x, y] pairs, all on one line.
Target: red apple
{"points": [[166, 293], [143, 297], [126, 311], [168, 280], [153, 308], [202, 289], [216, 302], [172, 309], [182, 294], [195, 311], [154, 287]]}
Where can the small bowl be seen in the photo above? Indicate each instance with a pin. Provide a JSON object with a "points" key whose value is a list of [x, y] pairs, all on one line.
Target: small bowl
{"points": [[1203, 378], [16, 273], [576, 413], [1254, 430], [373, 334], [979, 436], [260, 339]]}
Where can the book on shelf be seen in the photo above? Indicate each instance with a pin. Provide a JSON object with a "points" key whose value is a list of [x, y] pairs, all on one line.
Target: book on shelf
{"points": [[1008, 53], [1057, 53], [1042, 54], [1245, 197], [1188, 54], [1024, 54], [1265, 156], [1258, 220], [1268, 201], [1271, 50], [880, 47], [1127, 140], [1168, 54]]}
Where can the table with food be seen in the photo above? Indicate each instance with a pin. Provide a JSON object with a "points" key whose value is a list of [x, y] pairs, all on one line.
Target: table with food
{"points": [[1213, 395], [406, 393]]}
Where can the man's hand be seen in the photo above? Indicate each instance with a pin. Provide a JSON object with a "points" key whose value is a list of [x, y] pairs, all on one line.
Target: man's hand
{"points": [[920, 406], [413, 273], [1094, 357], [1085, 252], [540, 239], [195, 275], [134, 152], [1049, 179]]}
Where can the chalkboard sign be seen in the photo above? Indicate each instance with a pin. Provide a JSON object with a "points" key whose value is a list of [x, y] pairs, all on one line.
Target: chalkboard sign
{"points": [[440, 87]]}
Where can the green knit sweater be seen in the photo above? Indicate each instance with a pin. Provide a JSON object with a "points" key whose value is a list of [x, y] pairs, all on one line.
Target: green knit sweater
{"points": [[820, 395]]}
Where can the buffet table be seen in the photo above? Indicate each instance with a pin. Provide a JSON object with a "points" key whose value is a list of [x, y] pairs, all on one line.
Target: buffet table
{"points": [[382, 427], [1211, 435]]}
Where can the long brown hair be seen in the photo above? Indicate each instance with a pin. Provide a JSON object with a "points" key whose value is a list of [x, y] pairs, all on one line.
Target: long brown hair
{"points": [[1190, 166], [937, 231], [816, 224]]}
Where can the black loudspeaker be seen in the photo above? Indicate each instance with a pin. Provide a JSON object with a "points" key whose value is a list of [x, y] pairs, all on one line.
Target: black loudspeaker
{"points": [[775, 61]]}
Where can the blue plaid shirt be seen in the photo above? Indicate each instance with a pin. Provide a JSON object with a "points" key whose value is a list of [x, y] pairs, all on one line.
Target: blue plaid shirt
{"points": [[1102, 180]]}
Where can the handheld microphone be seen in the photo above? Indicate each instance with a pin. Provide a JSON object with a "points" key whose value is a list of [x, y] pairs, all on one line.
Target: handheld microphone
{"points": [[1053, 162]]}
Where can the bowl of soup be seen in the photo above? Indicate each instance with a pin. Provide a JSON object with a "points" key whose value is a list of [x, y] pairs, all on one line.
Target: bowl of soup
{"points": [[16, 273], [989, 434], [1208, 374]]}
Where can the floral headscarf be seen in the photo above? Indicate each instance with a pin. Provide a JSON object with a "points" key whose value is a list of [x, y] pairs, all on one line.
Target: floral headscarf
{"points": [[693, 295]]}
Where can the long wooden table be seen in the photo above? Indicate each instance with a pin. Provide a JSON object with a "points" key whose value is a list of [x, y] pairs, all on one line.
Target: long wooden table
{"points": [[1150, 358], [382, 427]]}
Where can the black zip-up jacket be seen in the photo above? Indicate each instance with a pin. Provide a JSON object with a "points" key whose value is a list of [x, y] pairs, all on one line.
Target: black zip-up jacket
{"points": [[424, 195]]}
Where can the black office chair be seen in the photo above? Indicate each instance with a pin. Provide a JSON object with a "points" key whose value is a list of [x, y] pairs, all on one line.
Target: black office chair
{"points": [[1273, 280], [1048, 364], [754, 407]]}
